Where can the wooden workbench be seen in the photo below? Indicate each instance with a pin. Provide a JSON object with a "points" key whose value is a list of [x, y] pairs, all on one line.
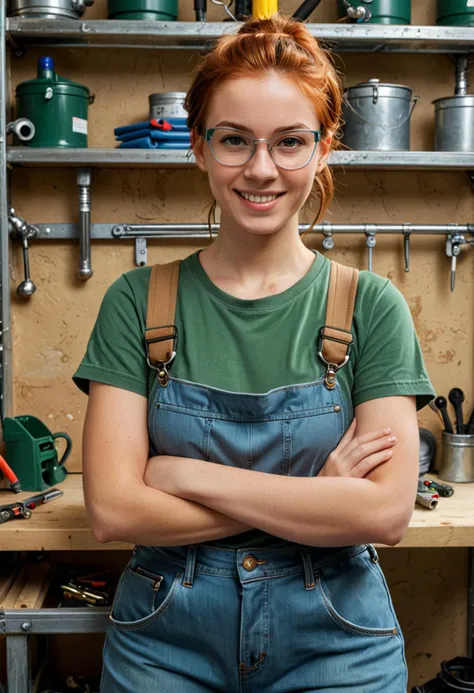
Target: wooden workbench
{"points": [[62, 524]]}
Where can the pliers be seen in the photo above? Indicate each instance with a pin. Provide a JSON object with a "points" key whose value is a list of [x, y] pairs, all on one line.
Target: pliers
{"points": [[14, 511]]}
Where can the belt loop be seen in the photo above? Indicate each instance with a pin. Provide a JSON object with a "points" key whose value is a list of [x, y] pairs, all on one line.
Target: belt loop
{"points": [[309, 583], [374, 557], [190, 566]]}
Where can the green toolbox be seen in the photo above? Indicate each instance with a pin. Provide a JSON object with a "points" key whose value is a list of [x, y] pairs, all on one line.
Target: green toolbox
{"points": [[382, 11], [57, 107]]}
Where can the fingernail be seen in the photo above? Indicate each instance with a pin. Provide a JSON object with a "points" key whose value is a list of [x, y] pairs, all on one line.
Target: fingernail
{"points": [[392, 439], [387, 430]]}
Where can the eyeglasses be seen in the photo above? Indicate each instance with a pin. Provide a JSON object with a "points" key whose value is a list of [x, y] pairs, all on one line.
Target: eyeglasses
{"points": [[290, 150]]}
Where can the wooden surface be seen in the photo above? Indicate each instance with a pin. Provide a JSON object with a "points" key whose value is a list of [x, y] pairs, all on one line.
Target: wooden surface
{"points": [[62, 524]]}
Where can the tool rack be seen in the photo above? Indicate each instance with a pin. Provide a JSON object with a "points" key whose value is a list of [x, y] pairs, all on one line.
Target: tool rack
{"points": [[65, 527]]}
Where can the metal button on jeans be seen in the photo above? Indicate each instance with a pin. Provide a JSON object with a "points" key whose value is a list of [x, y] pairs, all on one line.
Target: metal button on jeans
{"points": [[249, 562]]}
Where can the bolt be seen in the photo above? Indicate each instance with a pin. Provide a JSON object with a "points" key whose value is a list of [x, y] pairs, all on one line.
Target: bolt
{"points": [[26, 626], [47, 230]]}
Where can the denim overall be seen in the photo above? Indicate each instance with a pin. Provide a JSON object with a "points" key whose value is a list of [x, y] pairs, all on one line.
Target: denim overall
{"points": [[282, 619]]}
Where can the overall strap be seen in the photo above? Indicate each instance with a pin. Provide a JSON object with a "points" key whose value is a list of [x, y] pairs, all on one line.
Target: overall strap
{"points": [[161, 333], [335, 337]]}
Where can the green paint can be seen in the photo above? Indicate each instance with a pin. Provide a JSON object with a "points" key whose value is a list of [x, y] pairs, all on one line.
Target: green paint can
{"points": [[56, 106], [159, 10], [455, 12], [382, 11]]}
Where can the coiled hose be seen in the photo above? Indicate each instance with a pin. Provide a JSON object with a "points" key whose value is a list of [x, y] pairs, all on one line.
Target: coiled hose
{"points": [[456, 675]]}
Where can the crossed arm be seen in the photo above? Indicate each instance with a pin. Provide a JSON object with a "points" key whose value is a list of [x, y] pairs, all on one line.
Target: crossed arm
{"points": [[197, 501]]}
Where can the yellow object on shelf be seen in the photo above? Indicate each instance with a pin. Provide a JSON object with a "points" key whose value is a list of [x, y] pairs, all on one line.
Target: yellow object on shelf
{"points": [[261, 9]]}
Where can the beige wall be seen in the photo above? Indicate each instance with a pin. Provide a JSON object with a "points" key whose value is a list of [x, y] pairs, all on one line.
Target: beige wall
{"points": [[50, 331]]}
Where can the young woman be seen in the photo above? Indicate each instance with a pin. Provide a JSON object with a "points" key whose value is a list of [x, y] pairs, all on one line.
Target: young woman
{"points": [[250, 490]]}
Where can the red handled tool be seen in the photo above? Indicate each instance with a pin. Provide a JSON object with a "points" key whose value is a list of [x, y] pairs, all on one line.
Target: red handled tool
{"points": [[10, 475]]}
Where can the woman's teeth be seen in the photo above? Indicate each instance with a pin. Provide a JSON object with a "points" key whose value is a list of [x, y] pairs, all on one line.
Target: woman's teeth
{"points": [[259, 198]]}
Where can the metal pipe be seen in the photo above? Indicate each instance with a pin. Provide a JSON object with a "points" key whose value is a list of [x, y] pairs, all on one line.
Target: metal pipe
{"points": [[327, 228], [6, 389], [22, 128], [84, 182]]}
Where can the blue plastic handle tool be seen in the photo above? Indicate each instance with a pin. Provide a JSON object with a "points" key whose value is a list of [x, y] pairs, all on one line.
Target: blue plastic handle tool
{"points": [[176, 123]]}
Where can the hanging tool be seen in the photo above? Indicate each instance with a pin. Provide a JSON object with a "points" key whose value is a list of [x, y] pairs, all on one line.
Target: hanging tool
{"points": [[441, 403], [370, 232], [456, 397], [305, 9], [20, 229], [200, 9], [83, 180], [8, 472], [453, 249], [406, 246]]}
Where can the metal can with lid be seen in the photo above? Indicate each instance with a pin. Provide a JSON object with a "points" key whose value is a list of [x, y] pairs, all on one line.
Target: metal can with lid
{"points": [[57, 107], [167, 104], [377, 116], [49, 9]]}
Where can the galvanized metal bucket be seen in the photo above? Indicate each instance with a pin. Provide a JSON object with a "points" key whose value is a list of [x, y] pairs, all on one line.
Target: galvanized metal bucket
{"points": [[457, 457], [454, 124], [167, 104], [377, 116], [49, 9]]}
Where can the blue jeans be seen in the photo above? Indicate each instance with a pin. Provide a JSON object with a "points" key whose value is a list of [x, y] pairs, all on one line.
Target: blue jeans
{"points": [[288, 618], [200, 618]]}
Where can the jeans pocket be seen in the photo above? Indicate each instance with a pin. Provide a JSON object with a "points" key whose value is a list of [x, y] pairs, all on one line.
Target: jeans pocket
{"points": [[355, 598], [143, 593]]}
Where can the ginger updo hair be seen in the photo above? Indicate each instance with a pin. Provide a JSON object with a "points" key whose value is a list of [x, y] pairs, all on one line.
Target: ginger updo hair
{"points": [[278, 44]]}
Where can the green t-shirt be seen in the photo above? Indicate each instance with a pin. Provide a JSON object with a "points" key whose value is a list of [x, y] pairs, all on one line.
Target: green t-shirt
{"points": [[255, 345]]}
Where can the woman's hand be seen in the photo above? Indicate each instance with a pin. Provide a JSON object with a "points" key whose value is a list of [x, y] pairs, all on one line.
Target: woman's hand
{"points": [[166, 473], [356, 457]]}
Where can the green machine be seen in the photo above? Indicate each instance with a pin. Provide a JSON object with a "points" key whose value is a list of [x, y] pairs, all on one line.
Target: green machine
{"points": [[159, 10], [56, 106], [455, 12], [381, 11], [31, 452]]}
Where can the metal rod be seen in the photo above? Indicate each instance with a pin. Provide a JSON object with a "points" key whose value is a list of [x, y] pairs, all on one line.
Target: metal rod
{"points": [[84, 183], [5, 327]]}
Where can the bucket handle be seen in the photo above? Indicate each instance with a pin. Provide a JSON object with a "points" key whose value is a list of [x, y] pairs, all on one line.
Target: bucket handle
{"points": [[91, 99], [68, 447], [394, 127]]}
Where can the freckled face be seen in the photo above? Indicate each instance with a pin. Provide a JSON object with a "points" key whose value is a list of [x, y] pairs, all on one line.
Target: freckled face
{"points": [[262, 104]]}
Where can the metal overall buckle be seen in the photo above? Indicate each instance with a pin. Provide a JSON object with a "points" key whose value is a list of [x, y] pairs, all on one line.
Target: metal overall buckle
{"points": [[162, 367], [332, 368]]}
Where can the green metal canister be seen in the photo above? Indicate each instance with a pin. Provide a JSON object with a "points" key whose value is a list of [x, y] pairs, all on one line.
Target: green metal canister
{"points": [[159, 10], [382, 11], [455, 12], [56, 106]]}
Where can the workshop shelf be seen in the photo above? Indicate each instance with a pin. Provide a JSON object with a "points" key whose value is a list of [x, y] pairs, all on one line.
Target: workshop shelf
{"points": [[100, 157], [195, 35]]}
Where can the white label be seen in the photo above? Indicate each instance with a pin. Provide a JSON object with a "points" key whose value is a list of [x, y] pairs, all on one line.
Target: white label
{"points": [[470, 3], [79, 125]]}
